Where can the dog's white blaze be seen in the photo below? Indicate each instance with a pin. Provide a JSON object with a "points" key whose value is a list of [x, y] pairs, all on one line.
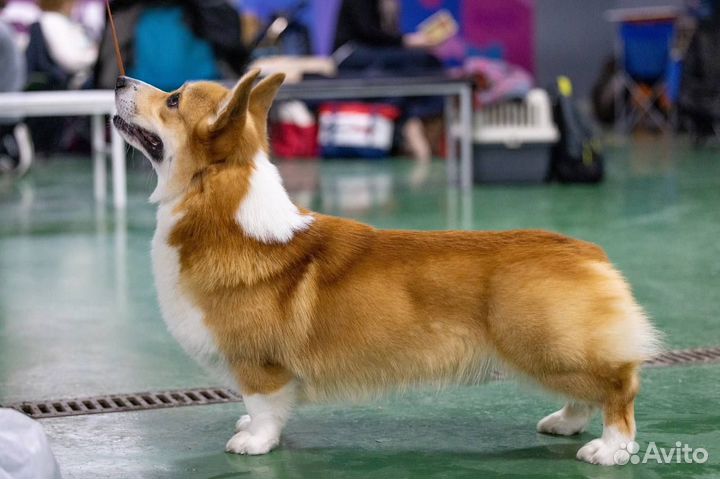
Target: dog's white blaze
{"points": [[184, 320], [266, 213], [159, 191]]}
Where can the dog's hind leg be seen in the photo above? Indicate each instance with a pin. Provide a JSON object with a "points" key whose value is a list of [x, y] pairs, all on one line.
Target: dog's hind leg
{"points": [[587, 344], [269, 396], [615, 391], [618, 432], [618, 422], [571, 419]]}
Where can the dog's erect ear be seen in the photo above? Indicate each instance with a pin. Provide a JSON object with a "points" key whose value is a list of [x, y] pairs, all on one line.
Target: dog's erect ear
{"points": [[263, 94], [233, 110]]}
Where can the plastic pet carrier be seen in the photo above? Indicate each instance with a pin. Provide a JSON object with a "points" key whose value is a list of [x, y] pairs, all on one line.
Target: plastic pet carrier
{"points": [[513, 140]]}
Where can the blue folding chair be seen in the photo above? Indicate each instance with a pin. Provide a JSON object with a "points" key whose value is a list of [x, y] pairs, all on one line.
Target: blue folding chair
{"points": [[645, 51]]}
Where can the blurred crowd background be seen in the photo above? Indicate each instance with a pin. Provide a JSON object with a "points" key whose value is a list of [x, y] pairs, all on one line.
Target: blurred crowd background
{"points": [[506, 47]]}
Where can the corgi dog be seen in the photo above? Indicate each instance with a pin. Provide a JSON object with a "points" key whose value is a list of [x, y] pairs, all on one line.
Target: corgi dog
{"points": [[295, 305]]}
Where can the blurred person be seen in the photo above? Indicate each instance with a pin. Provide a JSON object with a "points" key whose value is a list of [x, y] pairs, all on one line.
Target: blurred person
{"points": [[14, 140], [368, 42], [699, 98], [69, 47], [277, 27], [168, 42], [60, 55], [12, 74], [374, 24]]}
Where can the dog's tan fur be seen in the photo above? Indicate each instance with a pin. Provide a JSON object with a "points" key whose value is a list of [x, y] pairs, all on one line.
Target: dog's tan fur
{"points": [[344, 309]]}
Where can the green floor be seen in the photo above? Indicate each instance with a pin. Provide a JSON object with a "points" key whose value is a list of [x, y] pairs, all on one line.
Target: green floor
{"points": [[78, 317]]}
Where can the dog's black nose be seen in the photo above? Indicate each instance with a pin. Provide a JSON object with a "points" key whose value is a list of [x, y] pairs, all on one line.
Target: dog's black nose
{"points": [[120, 83]]}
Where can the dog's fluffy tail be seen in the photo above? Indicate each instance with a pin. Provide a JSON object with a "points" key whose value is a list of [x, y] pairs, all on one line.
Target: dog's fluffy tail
{"points": [[629, 335]]}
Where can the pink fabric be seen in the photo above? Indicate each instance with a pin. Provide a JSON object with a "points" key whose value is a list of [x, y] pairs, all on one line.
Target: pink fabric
{"points": [[496, 80]]}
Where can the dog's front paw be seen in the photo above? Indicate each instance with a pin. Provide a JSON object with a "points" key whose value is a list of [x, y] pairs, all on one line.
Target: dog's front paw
{"points": [[243, 423], [600, 451], [252, 444]]}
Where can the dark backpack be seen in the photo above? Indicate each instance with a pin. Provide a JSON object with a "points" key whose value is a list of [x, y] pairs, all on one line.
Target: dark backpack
{"points": [[576, 157], [43, 72], [700, 85]]}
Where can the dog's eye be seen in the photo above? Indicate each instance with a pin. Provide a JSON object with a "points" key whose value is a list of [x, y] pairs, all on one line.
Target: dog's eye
{"points": [[173, 100]]}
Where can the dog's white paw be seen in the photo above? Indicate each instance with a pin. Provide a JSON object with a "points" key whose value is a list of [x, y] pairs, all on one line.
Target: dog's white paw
{"points": [[600, 451], [561, 424], [252, 444], [243, 423]]}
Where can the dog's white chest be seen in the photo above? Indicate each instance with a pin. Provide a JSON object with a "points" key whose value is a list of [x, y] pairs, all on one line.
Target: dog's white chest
{"points": [[184, 320]]}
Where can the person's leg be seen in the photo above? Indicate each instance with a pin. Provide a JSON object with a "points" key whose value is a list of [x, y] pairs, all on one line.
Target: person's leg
{"points": [[390, 61], [9, 154], [415, 137], [416, 141], [406, 62], [16, 149], [360, 61]]}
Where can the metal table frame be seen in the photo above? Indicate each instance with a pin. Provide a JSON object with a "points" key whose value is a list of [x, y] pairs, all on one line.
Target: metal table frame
{"points": [[97, 104], [458, 116], [100, 103]]}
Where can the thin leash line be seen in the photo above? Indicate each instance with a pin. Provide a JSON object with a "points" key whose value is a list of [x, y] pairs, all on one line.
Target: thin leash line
{"points": [[116, 43]]}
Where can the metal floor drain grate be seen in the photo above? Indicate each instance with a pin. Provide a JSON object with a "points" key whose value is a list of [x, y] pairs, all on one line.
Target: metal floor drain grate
{"points": [[196, 397], [125, 402]]}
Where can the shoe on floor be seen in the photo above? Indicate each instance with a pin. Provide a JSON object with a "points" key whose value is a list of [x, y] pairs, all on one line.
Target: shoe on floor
{"points": [[16, 149]]}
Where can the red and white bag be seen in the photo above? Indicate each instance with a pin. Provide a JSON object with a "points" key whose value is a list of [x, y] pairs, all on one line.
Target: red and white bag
{"points": [[356, 130], [294, 131]]}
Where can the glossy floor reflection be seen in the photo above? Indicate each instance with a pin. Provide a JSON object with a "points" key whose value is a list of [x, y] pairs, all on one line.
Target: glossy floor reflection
{"points": [[78, 317], [478, 432]]}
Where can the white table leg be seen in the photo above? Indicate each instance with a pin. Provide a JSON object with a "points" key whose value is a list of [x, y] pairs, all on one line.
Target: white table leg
{"points": [[97, 131], [121, 264], [118, 170], [466, 208], [452, 211], [451, 141], [465, 133]]}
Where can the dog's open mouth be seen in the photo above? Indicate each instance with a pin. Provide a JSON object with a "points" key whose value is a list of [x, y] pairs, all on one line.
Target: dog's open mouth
{"points": [[150, 142]]}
